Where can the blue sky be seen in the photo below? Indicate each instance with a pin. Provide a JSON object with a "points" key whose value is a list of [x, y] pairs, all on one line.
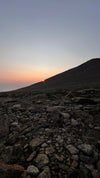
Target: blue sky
{"points": [[40, 38]]}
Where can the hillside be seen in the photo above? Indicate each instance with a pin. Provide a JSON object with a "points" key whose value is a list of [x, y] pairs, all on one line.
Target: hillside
{"points": [[54, 134], [85, 75]]}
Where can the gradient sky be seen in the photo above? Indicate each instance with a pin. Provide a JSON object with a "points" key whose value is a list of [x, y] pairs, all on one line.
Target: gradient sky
{"points": [[40, 38]]}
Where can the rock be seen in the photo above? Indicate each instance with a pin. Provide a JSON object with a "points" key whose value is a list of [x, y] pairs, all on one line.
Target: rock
{"points": [[74, 164], [12, 138], [74, 122], [8, 171], [16, 106], [4, 154], [28, 176], [54, 108], [55, 119], [98, 144], [77, 107], [90, 126], [76, 173], [42, 160], [63, 166], [86, 148], [32, 170], [26, 146], [32, 155], [95, 173], [98, 165], [59, 158], [44, 145], [72, 149], [27, 130], [75, 157], [4, 127], [97, 128], [17, 152], [49, 150], [49, 136], [65, 115], [36, 142], [89, 166], [45, 173], [59, 139], [14, 126], [83, 100], [87, 159]]}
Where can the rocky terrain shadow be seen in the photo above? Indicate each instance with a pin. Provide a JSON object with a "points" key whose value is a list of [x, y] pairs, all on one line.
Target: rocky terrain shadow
{"points": [[50, 135]]}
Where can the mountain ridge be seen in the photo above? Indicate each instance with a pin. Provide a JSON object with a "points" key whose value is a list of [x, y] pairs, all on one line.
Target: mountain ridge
{"points": [[84, 75]]}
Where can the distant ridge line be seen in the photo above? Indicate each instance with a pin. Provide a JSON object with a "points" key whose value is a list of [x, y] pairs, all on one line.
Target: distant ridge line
{"points": [[85, 75]]}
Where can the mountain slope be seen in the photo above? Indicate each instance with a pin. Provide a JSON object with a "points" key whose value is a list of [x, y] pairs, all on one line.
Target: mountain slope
{"points": [[85, 75]]}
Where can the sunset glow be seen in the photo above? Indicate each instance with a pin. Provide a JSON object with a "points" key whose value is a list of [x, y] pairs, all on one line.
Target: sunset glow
{"points": [[43, 81]]}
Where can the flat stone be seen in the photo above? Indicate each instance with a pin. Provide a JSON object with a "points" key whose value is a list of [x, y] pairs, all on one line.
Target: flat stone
{"points": [[27, 130], [77, 107], [16, 106], [42, 160], [65, 115], [14, 124], [72, 149], [32, 170], [54, 108], [32, 155], [36, 142], [44, 145], [86, 149], [97, 128]]}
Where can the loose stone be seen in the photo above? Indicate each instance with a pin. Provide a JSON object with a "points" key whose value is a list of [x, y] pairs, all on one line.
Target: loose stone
{"points": [[42, 160], [32, 170], [72, 149]]}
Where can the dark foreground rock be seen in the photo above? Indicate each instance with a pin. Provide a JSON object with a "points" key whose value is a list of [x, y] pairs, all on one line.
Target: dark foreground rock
{"points": [[10, 171], [50, 135]]}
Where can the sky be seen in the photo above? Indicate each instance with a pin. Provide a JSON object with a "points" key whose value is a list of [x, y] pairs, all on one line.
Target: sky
{"points": [[41, 38]]}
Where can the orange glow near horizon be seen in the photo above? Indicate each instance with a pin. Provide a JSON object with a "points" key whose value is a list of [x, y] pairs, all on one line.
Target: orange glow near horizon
{"points": [[43, 81], [25, 77]]}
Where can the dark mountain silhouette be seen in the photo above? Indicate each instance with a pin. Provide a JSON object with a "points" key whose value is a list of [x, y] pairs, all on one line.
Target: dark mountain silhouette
{"points": [[85, 75]]}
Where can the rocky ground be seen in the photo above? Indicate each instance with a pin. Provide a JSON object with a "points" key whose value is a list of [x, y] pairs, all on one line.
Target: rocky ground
{"points": [[50, 135]]}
